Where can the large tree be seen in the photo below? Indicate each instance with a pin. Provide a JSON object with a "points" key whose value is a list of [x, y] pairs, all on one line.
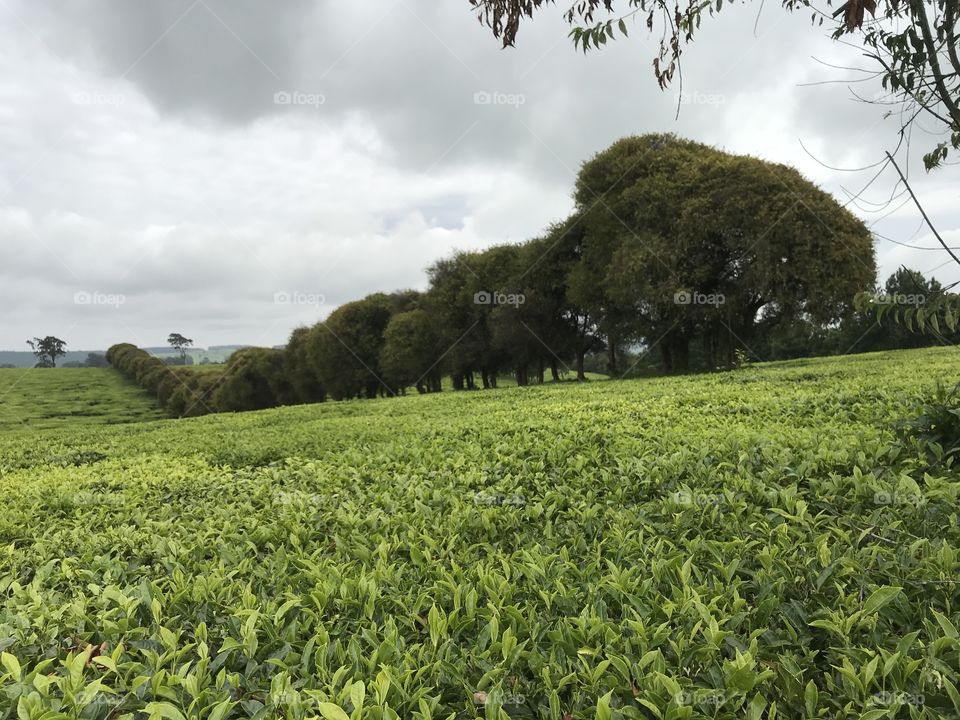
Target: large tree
{"points": [[911, 47], [412, 351], [344, 350], [560, 309], [683, 241]]}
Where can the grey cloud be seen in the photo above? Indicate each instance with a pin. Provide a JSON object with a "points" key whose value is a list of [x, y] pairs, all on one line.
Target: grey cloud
{"points": [[145, 153]]}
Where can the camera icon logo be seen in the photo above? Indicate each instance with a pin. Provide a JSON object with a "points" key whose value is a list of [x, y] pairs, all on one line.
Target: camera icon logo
{"points": [[282, 98], [482, 298], [682, 297]]}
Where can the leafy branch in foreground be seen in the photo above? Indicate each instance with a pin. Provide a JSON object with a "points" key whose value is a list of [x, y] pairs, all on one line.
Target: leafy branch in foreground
{"points": [[932, 315], [911, 46]]}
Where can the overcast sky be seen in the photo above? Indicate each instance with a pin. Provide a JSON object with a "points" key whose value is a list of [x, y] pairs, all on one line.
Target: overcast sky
{"points": [[230, 169]]}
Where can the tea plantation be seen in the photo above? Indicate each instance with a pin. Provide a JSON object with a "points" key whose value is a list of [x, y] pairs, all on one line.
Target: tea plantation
{"points": [[68, 397], [753, 544]]}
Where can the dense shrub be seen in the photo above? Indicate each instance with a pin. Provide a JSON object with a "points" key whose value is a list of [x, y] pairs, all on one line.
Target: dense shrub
{"points": [[179, 391], [254, 379]]}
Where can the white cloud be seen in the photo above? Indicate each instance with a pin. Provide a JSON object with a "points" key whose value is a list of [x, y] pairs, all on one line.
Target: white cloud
{"points": [[171, 177]]}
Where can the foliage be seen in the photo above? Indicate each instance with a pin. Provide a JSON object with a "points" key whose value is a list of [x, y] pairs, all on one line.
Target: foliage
{"points": [[935, 426], [60, 397], [931, 311], [179, 343], [672, 547], [47, 350], [685, 242], [912, 44], [659, 223], [254, 379]]}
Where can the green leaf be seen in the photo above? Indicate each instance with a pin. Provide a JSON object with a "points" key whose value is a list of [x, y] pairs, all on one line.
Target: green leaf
{"points": [[12, 665], [757, 705], [879, 598], [332, 712], [603, 707], [650, 706], [357, 693], [220, 711], [949, 629], [164, 710], [810, 697]]}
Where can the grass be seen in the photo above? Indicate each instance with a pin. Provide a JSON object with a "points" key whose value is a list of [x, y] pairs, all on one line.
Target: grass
{"points": [[69, 398], [753, 544]]}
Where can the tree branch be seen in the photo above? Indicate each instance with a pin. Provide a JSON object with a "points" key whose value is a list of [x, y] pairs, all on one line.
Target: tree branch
{"points": [[920, 208], [920, 11]]}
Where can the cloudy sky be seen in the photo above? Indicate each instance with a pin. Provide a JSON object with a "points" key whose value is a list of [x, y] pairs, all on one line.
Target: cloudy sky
{"points": [[231, 169]]}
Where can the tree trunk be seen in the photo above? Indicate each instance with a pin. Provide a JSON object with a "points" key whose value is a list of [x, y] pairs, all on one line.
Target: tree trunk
{"points": [[554, 371], [581, 375], [681, 360], [540, 370], [666, 356], [521, 373], [611, 355]]}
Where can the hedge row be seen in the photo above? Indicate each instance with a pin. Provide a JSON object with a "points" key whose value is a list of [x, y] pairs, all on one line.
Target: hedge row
{"points": [[253, 379]]}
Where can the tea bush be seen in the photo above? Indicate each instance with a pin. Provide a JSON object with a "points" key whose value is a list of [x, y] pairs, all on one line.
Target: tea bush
{"points": [[752, 544]]}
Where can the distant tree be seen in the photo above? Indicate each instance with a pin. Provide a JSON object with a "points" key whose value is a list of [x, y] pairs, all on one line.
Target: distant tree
{"points": [[180, 343], [345, 349], [254, 379], [96, 360], [47, 350], [568, 322], [301, 372], [412, 352], [7, 366], [466, 292]]}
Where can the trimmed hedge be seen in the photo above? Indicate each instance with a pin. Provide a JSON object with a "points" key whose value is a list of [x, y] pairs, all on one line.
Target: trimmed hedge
{"points": [[252, 379], [180, 391]]}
